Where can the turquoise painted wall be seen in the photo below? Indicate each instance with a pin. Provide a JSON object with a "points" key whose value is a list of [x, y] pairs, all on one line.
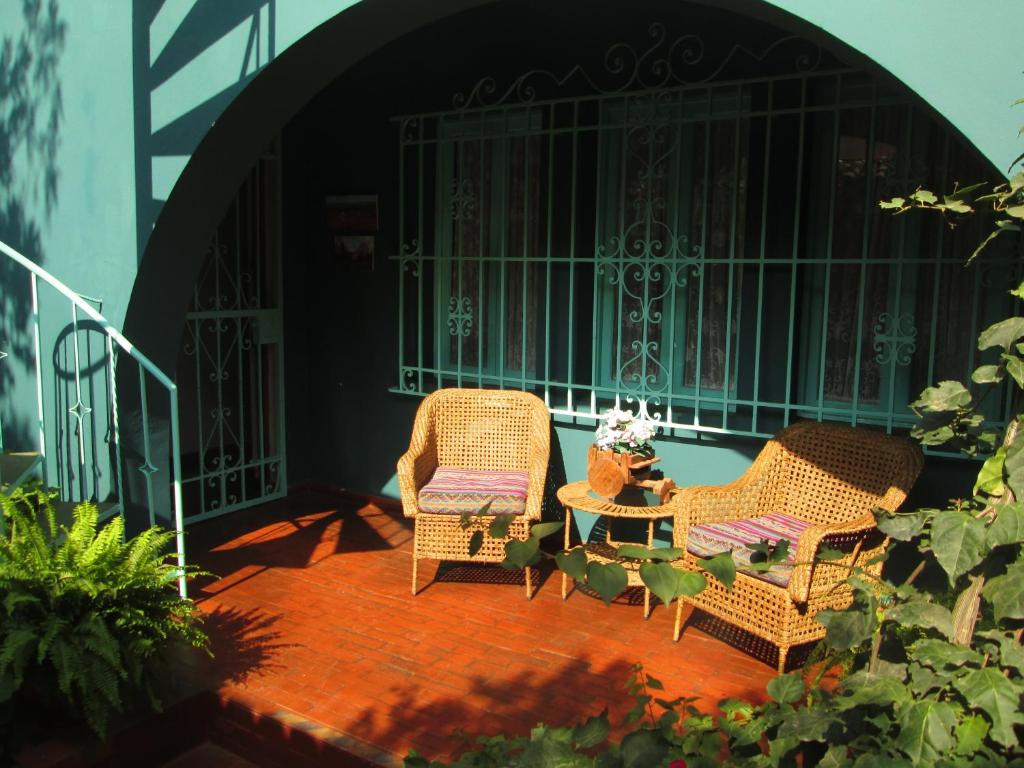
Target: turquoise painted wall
{"points": [[161, 73], [961, 57]]}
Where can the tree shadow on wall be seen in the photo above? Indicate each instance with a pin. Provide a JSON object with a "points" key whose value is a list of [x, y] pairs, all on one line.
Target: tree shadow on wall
{"points": [[30, 118]]}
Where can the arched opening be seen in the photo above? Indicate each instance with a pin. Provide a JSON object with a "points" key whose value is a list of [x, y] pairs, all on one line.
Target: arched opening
{"points": [[790, 294]]}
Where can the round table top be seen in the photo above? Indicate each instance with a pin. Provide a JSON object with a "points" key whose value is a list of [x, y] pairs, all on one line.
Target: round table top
{"points": [[579, 496]]}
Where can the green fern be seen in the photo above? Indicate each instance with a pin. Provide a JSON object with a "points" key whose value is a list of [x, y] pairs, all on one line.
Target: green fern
{"points": [[82, 610]]}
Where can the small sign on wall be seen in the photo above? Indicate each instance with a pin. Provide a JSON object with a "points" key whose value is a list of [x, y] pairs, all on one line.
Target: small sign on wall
{"points": [[352, 226]]}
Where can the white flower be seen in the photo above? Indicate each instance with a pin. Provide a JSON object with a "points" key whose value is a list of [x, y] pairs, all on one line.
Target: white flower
{"points": [[623, 431]]}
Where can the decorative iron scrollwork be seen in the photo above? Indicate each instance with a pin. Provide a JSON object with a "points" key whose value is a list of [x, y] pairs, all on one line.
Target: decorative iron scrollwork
{"points": [[661, 64], [895, 338], [460, 316]]}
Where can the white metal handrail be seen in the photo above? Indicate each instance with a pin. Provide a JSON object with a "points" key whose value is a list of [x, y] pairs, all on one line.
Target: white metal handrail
{"points": [[146, 366]]}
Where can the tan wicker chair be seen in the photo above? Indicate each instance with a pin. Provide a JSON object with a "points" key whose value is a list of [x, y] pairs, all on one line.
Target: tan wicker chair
{"points": [[483, 429], [828, 475]]}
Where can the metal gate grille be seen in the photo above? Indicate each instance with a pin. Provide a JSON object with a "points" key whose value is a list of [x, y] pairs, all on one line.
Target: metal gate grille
{"points": [[704, 243], [230, 369]]}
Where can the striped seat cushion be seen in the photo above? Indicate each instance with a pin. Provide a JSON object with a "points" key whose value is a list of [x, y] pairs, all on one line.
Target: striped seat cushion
{"points": [[452, 491], [737, 535]]}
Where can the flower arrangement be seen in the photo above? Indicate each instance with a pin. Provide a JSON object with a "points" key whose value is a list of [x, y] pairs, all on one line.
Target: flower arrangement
{"points": [[624, 432]]}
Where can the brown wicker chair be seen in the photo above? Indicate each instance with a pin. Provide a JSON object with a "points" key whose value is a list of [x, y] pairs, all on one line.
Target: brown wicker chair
{"points": [[828, 475], [473, 429]]}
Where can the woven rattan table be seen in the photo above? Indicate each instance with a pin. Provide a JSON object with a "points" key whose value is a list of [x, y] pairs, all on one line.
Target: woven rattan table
{"points": [[580, 497]]}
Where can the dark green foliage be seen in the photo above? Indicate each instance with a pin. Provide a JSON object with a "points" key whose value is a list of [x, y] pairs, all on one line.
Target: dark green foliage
{"points": [[82, 611]]}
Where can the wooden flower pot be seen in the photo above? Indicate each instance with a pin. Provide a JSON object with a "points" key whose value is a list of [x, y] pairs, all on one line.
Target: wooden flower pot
{"points": [[609, 472]]}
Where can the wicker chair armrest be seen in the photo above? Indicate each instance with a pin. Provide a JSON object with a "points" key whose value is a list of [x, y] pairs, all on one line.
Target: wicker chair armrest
{"points": [[415, 469], [848, 537], [540, 453]]}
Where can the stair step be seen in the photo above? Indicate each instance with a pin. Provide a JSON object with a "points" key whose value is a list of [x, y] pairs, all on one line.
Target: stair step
{"points": [[17, 466]]}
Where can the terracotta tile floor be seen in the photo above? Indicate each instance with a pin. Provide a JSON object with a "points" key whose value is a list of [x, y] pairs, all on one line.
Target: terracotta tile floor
{"points": [[312, 617]]}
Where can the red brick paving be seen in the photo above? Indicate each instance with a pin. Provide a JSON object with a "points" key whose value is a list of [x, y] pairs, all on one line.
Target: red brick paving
{"points": [[312, 615]]}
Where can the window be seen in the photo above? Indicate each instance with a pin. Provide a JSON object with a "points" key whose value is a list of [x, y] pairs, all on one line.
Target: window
{"points": [[714, 250]]}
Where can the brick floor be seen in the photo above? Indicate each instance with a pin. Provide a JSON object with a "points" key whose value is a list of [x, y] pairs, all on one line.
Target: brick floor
{"points": [[312, 617]]}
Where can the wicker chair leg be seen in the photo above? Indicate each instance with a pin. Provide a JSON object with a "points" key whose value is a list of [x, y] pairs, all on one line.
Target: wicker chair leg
{"points": [[415, 553], [529, 583], [679, 616], [783, 650]]}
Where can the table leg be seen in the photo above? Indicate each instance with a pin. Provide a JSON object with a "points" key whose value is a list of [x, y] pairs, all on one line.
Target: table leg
{"points": [[568, 526], [647, 592]]}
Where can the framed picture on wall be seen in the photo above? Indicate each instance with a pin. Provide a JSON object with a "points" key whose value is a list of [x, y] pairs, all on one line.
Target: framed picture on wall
{"points": [[352, 224]]}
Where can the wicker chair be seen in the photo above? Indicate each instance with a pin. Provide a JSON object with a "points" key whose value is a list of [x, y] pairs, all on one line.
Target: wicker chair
{"points": [[825, 475], [474, 429]]}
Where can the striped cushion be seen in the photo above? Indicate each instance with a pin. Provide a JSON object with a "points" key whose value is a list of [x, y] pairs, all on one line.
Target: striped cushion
{"points": [[452, 491], [737, 535]]}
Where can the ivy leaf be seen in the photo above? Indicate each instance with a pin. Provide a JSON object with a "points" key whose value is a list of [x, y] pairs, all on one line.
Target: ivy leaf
{"points": [[1006, 593], [902, 527], [924, 614], [990, 477], [1014, 467], [1019, 290], [875, 760], [593, 732], [989, 691], [639, 552], [1015, 367], [475, 542], [925, 196], [938, 654], [1017, 211], [607, 579], [828, 555], [988, 374], [896, 202], [924, 680], [519, 554], [958, 541], [787, 688], [848, 629], [970, 734], [573, 563], [1002, 334], [1008, 527], [498, 529], [642, 749], [926, 730], [691, 583], [837, 756], [946, 396], [1010, 652], [808, 724], [721, 566], [540, 530], [662, 579], [865, 688], [955, 205]]}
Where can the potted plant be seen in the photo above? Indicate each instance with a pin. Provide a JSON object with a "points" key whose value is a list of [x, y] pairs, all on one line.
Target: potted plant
{"points": [[623, 454]]}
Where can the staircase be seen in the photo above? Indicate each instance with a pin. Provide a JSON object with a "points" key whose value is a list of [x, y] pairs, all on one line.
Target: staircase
{"points": [[81, 409]]}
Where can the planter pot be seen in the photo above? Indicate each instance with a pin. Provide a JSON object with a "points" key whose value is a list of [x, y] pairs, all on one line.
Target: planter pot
{"points": [[609, 472]]}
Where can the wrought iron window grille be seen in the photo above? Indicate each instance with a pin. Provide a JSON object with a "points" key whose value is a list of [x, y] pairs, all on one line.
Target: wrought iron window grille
{"points": [[699, 237]]}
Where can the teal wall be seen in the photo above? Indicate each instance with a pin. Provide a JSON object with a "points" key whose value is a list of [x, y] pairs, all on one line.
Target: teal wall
{"points": [[161, 102]]}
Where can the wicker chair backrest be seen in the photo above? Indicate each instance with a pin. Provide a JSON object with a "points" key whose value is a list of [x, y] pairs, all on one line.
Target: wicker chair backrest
{"points": [[830, 473], [487, 428]]}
